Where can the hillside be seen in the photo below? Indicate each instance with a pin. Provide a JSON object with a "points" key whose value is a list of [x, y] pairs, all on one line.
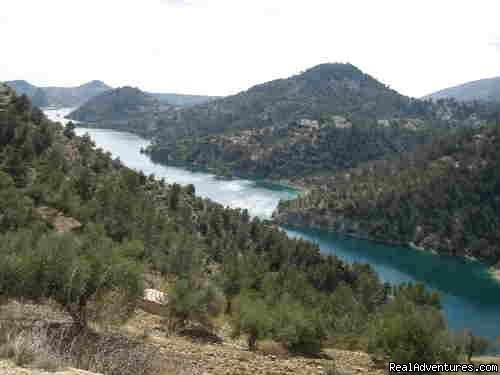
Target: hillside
{"points": [[306, 147], [59, 96], [487, 90], [329, 88], [444, 196], [328, 118], [82, 236]]}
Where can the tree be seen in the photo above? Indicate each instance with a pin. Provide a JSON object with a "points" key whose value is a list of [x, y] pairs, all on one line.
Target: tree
{"points": [[297, 327], [406, 332], [230, 279], [174, 196], [69, 130], [69, 269], [475, 345], [191, 301], [253, 319]]}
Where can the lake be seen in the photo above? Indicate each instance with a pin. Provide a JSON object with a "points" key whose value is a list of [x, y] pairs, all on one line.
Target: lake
{"points": [[471, 299]]}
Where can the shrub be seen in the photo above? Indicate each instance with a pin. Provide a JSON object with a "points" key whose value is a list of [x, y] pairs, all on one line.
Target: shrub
{"points": [[67, 268], [252, 318], [298, 328], [406, 332], [191, 301]]}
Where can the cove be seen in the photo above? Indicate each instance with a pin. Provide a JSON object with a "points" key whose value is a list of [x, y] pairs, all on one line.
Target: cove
{"points": [[471, 299]]}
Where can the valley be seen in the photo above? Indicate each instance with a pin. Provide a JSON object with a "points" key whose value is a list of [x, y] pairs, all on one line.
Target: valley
{"points": [[192, 187], [455, 279]]}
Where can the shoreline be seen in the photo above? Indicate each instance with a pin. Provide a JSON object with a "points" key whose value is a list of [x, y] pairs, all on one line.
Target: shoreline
{"points": [[492, 272]]}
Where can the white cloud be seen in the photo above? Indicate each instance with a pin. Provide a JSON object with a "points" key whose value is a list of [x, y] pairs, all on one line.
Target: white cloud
{"points": [[220, 47]]}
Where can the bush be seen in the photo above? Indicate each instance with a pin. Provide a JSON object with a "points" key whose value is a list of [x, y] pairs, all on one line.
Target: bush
{"points": [[298, 328], [67, 268], [191, 301], [252, 318], [405, 332]]}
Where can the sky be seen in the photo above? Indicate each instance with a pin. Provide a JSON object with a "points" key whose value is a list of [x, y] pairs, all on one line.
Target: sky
{"points": [[221, 47]]}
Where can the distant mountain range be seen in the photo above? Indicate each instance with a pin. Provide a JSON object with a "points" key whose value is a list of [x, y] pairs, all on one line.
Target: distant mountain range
{"points": [[483, 90], [77, 96], [59, 96]]}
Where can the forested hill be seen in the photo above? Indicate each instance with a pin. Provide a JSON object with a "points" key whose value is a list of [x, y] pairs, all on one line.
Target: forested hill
{"points": [[330, 117], [484, 90], [444, 196], [329, 88]]}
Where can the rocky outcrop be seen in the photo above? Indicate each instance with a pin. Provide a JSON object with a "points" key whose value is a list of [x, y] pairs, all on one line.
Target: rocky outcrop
{"points": [[60, 222]]}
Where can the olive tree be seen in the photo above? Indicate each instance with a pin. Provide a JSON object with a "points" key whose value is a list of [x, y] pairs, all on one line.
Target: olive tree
{"points": [[67, 268]]}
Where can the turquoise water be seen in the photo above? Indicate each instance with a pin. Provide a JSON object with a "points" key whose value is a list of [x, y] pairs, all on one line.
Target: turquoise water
{"points": [[471, 299]]}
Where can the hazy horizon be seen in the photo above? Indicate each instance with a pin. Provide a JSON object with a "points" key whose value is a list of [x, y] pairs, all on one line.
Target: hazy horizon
{"points": [[222, 47]]}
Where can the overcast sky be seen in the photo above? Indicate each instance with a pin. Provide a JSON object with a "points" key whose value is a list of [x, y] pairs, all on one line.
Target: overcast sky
{"points": [[220, 47]]}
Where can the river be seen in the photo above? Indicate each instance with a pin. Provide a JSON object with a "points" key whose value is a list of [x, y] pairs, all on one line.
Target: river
{"points": [[471, 299]]}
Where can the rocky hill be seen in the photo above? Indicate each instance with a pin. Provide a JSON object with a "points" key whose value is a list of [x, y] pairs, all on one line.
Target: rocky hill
{"points": [[59, 96], [444, 196], [483, 90]]}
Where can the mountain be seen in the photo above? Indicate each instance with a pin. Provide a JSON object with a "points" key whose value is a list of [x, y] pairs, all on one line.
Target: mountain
{"points": [[77, 96], [74, 96], [38, 96], [443, 196], [329, 88], [59, 96], [483, 90], [124, 108], [330, 117]]}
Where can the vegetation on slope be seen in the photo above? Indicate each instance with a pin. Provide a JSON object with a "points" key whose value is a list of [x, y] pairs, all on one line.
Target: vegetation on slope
{"points": [[443, 196], [298, 149], [216, 259]]}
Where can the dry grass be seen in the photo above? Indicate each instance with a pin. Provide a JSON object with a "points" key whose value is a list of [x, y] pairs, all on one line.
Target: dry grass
{"points": [[28, 340]]}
